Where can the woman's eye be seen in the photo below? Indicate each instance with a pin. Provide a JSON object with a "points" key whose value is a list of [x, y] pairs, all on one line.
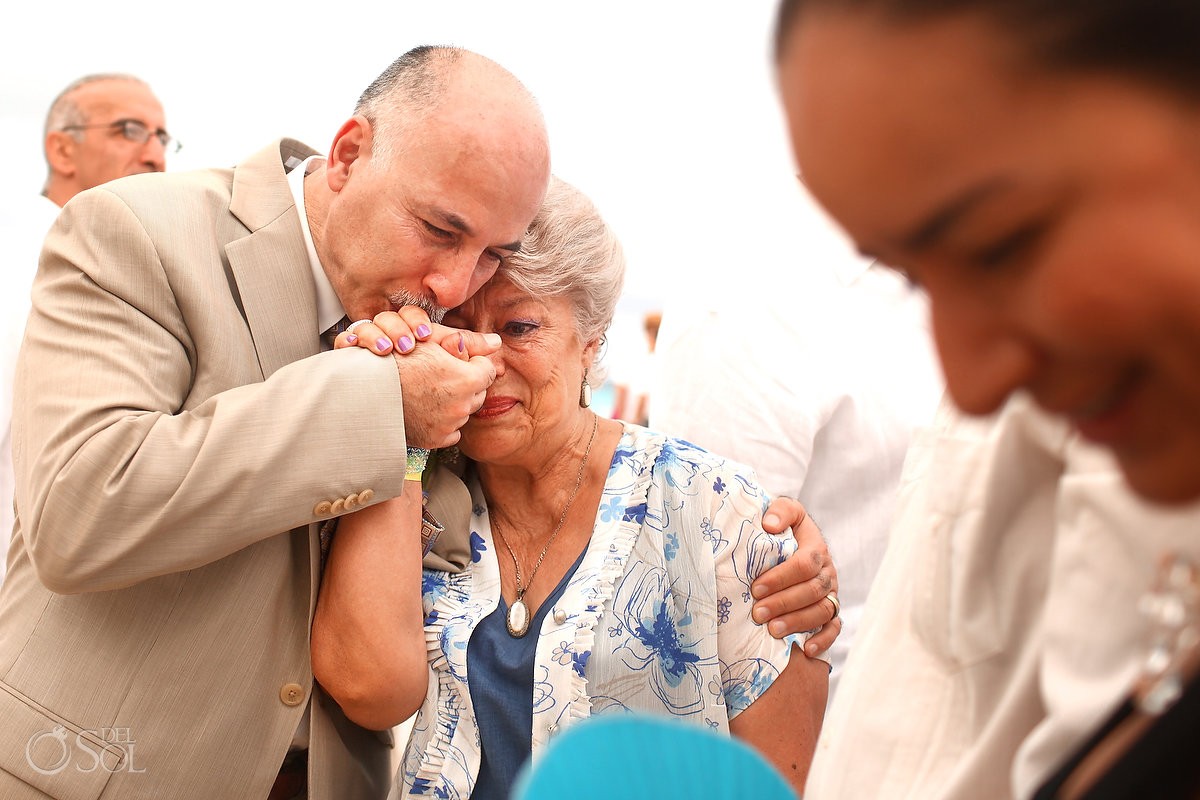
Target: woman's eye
{"points": [[520, 328], [1010, 247]]}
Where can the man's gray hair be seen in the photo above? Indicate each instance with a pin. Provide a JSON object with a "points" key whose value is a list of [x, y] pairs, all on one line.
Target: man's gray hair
{"points": [[65, 112], [405, 93], [570, 251]]}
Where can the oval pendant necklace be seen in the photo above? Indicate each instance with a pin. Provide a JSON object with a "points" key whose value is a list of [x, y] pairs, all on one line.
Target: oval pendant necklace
{"points": [[519, 617]]}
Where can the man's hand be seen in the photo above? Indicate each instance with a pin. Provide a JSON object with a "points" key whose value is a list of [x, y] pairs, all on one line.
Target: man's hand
{"points": [[440, 393], [792, 597]]}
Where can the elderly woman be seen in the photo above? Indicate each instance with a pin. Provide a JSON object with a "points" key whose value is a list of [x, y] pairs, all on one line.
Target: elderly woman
{"points": [[611, 565], [1035, 165]]}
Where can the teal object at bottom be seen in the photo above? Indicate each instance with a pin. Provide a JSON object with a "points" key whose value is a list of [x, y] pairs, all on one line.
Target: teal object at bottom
{"points": [[640, 757]]}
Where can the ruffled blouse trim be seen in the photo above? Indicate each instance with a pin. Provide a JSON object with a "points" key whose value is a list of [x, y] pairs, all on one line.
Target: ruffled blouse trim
{"points": [[449, 702], [453, 604]]}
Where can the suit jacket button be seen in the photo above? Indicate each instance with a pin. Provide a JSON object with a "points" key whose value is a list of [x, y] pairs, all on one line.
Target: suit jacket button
{"points": [[366, 496], [351, 501], [322, 508], [339, 505], [560, 616], [292, 694]]}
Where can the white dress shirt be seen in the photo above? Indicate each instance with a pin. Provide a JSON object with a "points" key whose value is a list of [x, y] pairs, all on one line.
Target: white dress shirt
{"points": [[1003, 626], [816, 381], [329, 307], [22, 232]]}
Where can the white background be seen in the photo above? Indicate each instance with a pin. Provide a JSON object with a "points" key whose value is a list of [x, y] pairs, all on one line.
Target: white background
{"points": [[665, 113]]}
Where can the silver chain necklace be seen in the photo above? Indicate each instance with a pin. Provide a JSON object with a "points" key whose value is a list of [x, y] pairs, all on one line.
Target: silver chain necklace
{"points": [[518, 613]]}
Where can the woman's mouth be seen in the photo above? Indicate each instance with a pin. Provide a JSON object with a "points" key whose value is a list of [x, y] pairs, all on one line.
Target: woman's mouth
{"points": [[1109, 417], [494, 407]]}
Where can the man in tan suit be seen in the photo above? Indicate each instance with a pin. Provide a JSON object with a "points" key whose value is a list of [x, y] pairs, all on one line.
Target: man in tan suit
{"points": [[179, 435]]}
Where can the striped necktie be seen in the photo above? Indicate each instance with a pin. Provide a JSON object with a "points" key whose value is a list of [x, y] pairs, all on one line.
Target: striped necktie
{"points": [[331, 333]]}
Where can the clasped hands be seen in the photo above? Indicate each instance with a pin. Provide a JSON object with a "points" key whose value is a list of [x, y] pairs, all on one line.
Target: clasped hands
{"points": [[442, 384], [447, 382]]}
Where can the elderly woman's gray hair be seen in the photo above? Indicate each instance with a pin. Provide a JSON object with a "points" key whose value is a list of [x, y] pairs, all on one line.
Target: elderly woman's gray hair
{"points": [[570, 251]]}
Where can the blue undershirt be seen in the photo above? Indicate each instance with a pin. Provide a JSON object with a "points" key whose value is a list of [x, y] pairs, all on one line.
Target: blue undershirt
{"points": [[500, 677]]}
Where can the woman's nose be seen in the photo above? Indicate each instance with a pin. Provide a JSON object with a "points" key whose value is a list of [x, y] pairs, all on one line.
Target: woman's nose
{"points": [[984, 358], [497, 359]]}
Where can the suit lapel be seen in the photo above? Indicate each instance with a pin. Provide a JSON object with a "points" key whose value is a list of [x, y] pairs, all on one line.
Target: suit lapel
{"points": [[271, 265]]}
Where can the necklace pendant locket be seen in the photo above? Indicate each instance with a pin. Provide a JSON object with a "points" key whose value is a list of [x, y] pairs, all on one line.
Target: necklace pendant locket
{"points": [[518, 619]]}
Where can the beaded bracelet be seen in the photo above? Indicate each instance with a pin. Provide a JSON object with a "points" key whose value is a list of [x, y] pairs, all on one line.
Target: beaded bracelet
{"points": [[418, 457]]}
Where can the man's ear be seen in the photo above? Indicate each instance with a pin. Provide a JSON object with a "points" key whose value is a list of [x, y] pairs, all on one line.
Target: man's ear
{"points": [[351, 143], [60, 153]]}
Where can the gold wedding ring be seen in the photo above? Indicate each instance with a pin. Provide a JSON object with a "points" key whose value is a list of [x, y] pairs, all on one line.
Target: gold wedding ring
{"points": [[837, 606]]}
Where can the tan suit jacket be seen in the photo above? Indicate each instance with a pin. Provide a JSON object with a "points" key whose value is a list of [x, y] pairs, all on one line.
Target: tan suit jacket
{"points": [[178, 436]]}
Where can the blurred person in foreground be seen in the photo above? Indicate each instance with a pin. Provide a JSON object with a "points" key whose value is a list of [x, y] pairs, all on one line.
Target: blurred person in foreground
{"points": [[99, 128], [626, 554], [1035, 166]]}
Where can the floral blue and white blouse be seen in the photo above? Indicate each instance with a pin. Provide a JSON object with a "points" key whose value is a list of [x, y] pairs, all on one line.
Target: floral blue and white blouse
{"points": [[655, 619]]}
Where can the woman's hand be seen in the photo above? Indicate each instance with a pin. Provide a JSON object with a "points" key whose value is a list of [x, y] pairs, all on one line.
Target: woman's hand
{"points": [[794, 596], [399, 332]]}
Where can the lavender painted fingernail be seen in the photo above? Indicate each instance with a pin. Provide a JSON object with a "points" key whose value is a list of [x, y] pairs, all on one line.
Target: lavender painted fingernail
{"points": [[405, 344], [423, 331], [462, 343], [351, 338], [383, 343]]}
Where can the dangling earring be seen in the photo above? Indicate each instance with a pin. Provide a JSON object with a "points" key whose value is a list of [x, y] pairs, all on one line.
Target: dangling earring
{"points": [[585, 392]]}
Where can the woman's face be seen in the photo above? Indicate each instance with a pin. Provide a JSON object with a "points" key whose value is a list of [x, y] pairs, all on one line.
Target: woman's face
{"points": [[1053, 219], [533, 406]]}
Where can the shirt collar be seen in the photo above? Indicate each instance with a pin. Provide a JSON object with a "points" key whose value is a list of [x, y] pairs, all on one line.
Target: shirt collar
{"points": [[848, 271], [329, 307]]}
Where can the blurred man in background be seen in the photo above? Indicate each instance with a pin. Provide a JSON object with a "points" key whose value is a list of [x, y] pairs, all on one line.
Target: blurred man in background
{"points": [[100, 128], [634, 375]]}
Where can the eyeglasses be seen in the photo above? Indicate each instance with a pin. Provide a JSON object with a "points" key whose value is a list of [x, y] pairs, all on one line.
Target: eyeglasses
{"points": [[135, 131]]}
